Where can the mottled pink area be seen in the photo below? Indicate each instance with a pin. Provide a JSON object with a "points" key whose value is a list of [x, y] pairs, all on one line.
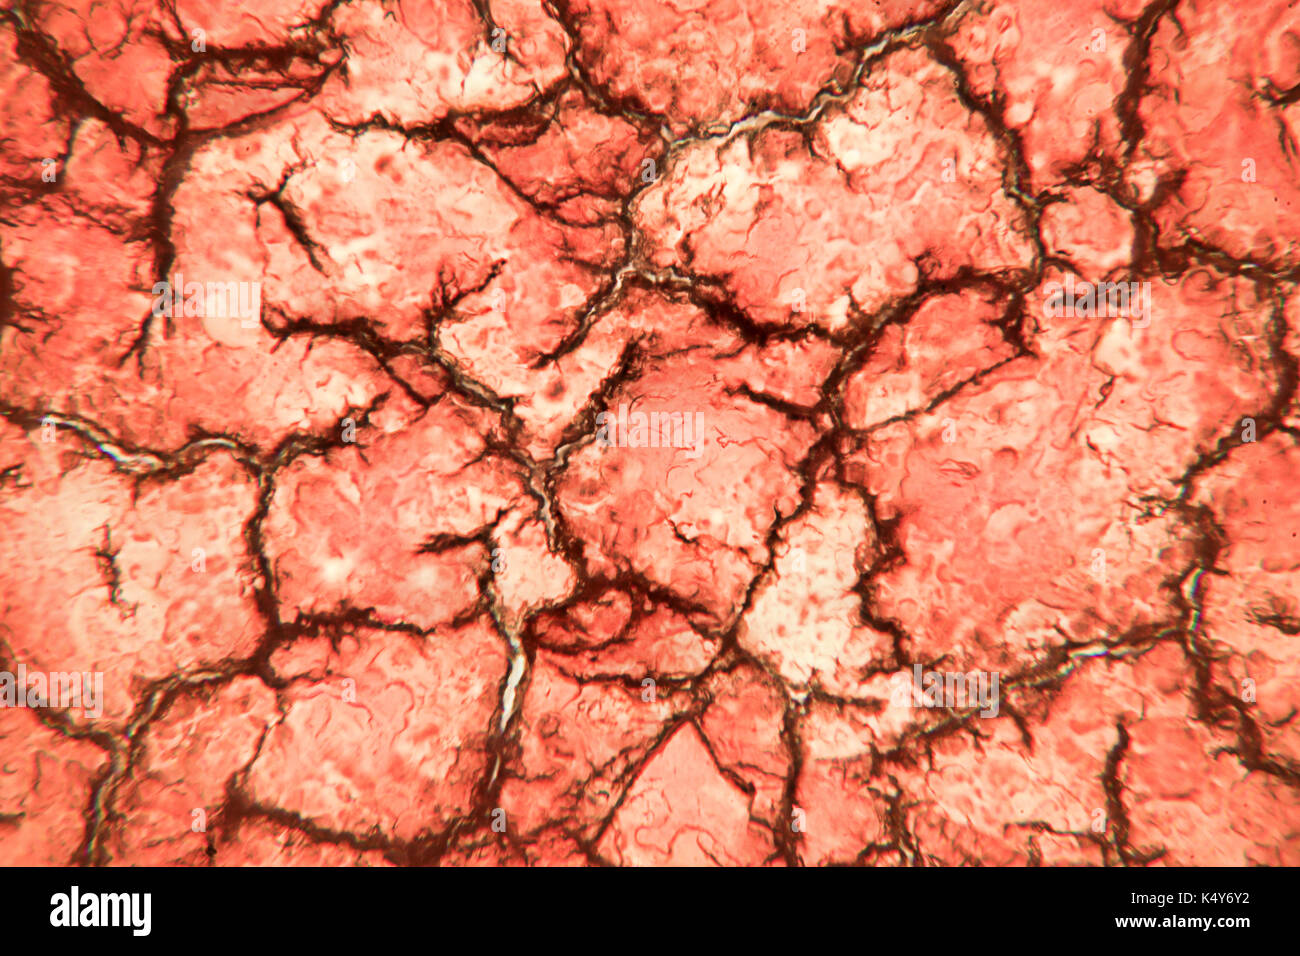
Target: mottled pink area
{"points": [[565, 432]]}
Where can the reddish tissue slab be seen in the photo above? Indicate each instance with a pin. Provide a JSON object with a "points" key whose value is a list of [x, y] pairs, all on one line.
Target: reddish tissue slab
{"points": [[554, 432]]}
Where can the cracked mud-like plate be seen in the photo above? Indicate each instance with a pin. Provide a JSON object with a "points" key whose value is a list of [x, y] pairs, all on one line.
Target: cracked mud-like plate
{"points": [[580, 432]]}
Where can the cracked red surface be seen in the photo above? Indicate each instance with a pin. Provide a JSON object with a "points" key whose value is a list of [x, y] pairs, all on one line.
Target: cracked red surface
{"points": [[624, 403]]}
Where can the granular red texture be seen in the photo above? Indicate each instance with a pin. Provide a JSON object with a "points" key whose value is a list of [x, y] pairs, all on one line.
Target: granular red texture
{"points": [[563, 432]]}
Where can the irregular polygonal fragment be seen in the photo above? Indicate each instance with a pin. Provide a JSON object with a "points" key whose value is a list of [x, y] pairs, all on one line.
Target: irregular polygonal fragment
{"points": [[47, 784], [134, 582], [408, 721], [398, 523], [683, 811], [1057, 73], [1220, 129], [950, 341], [579, 746], [1251, 612], [776, 216], [176, 793], [702, 65], [806, 620], [560, 432], [1021, 527]]}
